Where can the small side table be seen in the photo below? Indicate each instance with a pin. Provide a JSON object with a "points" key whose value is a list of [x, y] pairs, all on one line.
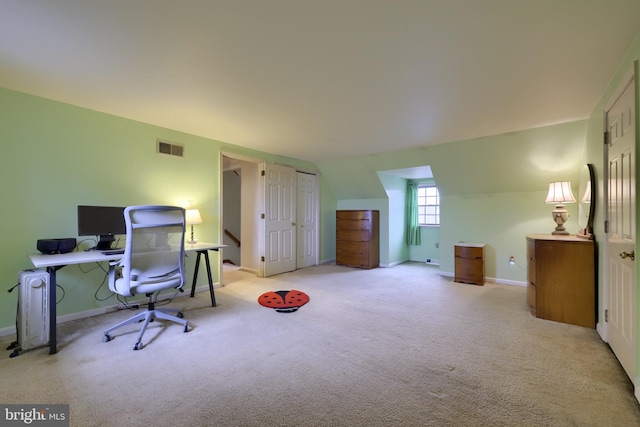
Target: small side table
{"points": [[469, 263]]}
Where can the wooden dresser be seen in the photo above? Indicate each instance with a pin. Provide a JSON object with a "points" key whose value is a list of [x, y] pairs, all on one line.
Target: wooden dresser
{"points": [[358, 238], [561, 279], [469, 263]]}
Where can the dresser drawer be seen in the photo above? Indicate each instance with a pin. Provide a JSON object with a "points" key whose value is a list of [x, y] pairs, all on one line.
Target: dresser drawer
{"points": [[353, 259], [352, 235], [353, 247], [531, 297], [469, 252], [357, 215], [531, 261], [353, 224]]}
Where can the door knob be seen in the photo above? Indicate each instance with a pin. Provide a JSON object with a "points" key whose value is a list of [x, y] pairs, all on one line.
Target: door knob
{"points": [[631, 255]]}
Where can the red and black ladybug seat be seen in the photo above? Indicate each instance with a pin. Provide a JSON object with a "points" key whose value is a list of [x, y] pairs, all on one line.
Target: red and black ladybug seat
{"points": [[283, 301]]}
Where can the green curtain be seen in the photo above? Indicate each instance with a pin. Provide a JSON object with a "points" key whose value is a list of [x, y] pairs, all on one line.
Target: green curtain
{"points": [[413, 229]]}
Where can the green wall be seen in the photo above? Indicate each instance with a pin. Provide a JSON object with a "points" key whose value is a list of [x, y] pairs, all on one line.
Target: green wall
{"points": [[429, 247], [328, 206], [396, 189], [57, 156], [492, 191]]}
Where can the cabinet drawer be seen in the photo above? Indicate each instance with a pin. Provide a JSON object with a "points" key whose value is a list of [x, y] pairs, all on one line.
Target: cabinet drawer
{"points": [[353, 215], [353, 247], [352, 259], [469, 252], [531, 297], [353, 224], [531, 271], [531, 261], [469, 271], [352, 235]]}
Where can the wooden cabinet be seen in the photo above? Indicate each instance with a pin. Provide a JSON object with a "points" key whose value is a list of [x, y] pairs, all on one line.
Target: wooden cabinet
{"points": [[561, 279], [358, 238], [469, 263]]}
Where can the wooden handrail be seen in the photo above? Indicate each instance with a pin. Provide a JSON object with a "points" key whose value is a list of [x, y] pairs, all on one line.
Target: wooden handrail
{"points": [[232, 237]]}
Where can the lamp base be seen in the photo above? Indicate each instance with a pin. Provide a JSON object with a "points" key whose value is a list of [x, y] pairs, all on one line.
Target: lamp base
{"points": [[560, 216], [193, 240]]}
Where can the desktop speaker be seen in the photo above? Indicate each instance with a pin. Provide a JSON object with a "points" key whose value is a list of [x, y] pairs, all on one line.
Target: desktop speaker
{"points": [[56, 246]]}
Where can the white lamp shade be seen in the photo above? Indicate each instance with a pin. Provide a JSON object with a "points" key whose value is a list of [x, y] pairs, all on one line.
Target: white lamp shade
{"points": [[192, 216], [560, 192]]}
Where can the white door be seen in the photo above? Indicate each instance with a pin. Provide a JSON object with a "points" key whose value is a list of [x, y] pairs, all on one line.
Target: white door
{"points": [[307, 220], [620, 270], [279, 220]]}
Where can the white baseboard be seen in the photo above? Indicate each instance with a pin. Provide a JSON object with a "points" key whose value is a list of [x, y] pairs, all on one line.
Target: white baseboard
{"points": [[491, 280], [5, 332], [393, 264], [8, 331], [506, 282]]}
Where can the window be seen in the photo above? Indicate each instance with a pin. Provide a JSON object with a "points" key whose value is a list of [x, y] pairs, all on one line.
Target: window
{"points": [[428, 205]]}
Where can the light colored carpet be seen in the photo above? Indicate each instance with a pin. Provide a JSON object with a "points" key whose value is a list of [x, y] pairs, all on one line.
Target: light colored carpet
{"points": [[398, 346]]}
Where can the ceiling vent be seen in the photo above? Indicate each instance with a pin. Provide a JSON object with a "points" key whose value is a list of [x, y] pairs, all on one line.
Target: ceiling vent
{"points": [[170, 148]]}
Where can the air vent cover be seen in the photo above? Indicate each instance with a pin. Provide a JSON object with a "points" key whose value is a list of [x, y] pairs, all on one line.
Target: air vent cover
{"points": [[170, 148]]}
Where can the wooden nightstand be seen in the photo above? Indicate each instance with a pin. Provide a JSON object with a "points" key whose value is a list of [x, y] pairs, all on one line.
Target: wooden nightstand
{"points": [[469, 263]]}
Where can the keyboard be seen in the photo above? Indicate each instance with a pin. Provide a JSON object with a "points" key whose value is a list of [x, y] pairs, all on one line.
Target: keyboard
{"points": [[113, 252]]}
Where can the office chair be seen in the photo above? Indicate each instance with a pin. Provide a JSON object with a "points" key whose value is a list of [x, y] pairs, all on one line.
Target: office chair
{"points": [[149, 264]]}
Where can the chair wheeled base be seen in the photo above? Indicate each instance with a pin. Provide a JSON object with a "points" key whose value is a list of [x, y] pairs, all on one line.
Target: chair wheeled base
{"points": [[148, 316]]}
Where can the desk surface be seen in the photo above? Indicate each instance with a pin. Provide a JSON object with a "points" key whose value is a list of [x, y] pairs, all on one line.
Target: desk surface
{"points": [[42, 260]]}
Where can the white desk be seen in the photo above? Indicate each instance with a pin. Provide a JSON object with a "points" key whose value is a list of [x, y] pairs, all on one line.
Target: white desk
{"points": [[55, 262]]}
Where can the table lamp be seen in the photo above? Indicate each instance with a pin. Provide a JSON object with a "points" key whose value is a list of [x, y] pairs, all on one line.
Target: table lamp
{"points": [[192, 216], [559, 194]]}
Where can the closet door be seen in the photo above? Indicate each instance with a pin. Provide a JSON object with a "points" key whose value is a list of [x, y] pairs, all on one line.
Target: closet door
{"points": [[279, 220]]}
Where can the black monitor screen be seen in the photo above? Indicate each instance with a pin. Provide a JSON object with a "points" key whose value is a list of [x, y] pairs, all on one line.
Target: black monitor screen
{"points": [[102, 221]]}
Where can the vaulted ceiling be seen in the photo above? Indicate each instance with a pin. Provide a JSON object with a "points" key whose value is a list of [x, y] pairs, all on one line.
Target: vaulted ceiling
{"points": [[319, 80]]}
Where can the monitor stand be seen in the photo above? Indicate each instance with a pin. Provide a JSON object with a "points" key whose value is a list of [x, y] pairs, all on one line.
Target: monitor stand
{"points": [[104, 242]]}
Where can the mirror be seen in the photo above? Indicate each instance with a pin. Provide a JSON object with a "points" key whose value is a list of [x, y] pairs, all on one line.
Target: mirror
{"points": [[586, 202]]}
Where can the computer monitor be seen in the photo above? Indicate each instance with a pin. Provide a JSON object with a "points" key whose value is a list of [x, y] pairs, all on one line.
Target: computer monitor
{"points": [[102, 221]]}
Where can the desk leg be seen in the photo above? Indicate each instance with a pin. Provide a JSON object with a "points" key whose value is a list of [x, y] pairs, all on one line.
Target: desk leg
{"points": [[53, 344], [213, 297], [195, 276]]}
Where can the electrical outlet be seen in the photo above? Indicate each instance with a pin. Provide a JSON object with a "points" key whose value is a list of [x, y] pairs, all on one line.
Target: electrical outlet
{"points": [[437, 245]]}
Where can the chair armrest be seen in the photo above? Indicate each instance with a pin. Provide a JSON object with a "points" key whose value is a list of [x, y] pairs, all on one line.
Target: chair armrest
{"points": [[116, 283]]}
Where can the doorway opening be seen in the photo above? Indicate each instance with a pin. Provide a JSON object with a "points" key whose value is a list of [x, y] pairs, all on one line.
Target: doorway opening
{"points": [[249, 203]]}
